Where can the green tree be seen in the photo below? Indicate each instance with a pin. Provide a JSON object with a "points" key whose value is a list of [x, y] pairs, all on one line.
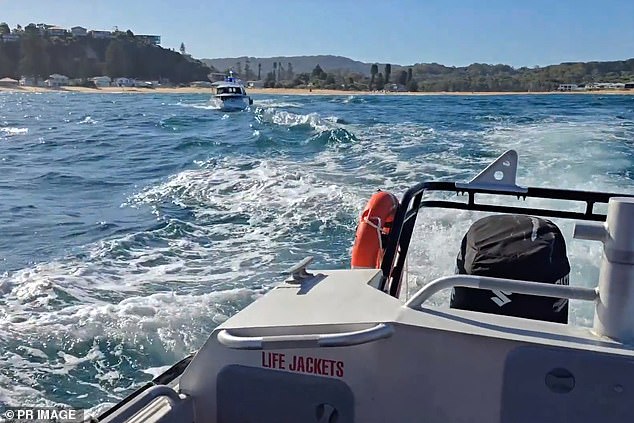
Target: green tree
{"points": [[388, 71], [35, 58], [289, 71], [275, 71], [182, 49], [374, 69], [5, 63], [259, 71], [380, 82], [317, 72], [4, 28], [247, 71], [269, 81], [412, 86], [302, 79], [31, 29], [402, 78], [409, 75]]}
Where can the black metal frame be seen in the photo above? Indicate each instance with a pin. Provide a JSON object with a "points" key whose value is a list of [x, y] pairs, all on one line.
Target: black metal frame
{"points": [[403, 225]]}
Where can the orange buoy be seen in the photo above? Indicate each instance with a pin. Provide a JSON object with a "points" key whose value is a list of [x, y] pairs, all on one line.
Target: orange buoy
{"points": [[374, 223]]}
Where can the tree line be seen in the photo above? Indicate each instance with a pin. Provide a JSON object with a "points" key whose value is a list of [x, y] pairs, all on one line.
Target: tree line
{"points": [[483, 77], [434, 77], [39, 56]]}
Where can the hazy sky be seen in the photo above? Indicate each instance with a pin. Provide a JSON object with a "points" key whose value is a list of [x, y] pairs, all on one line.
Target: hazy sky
{"points": [[450, 32]]}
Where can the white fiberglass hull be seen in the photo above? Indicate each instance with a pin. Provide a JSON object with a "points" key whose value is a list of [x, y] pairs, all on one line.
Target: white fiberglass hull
{"points": [[230, 103]]}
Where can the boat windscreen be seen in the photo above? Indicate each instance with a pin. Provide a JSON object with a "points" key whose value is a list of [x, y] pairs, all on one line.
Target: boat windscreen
{"points": [[229, 90]]}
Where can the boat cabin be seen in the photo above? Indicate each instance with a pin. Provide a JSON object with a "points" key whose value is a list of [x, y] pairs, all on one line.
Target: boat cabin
{"points": [[230, 90]]}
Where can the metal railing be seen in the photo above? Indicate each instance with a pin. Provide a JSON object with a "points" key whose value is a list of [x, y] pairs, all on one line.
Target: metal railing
{"points": [[343, 339], [506, 285]]}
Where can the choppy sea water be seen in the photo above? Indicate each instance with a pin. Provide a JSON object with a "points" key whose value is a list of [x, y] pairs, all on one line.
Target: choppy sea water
{"points": [[131, 225]]}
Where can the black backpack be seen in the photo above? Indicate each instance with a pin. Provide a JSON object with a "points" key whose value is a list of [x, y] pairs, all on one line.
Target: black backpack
{"points": [[513, 247]]}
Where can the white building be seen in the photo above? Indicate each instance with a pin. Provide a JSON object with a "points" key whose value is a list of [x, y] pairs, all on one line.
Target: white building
{"points": [[56, 31], [100, 34], [568, 87], [123, 82], [79, 31], [8, 82], [56, 80], [150, 39], [101, 81], [30, 81]]}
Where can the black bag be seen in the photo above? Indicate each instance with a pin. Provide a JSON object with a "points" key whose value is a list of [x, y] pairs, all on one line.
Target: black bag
{"points": [[513, 247]]}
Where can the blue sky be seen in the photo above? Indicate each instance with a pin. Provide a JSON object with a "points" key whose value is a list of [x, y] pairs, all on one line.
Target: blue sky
{"points": [[450, 32]]}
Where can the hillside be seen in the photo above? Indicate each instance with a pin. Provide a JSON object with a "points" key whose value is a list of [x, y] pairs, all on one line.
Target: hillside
{"points": [[299, 64], [337, 72], [123, 55]]}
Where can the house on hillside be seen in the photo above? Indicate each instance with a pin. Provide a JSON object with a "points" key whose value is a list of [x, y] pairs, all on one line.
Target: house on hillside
{"points": [[56, 80], [101, 34], [79, 31], [150, 39], [56, 31], [43, 28]]}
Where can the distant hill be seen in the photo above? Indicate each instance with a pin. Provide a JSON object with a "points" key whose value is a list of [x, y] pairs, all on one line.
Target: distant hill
{"points": [[36, 55], [428, 76], [299, 63]]}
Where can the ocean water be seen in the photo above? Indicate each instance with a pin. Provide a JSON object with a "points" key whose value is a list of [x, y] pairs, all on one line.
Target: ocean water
{"points": [[131, 225]]}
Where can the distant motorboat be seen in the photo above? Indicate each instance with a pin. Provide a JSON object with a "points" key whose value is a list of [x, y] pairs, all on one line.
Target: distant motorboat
{"points": [[230, 94]]}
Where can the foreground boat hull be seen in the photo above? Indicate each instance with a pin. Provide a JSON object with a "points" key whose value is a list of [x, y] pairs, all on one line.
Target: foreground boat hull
{"points": [[440, 365]]}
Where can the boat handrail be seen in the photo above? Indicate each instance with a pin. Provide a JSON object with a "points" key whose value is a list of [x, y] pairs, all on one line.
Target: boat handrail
{"points": [[142, 401], [501, 284], [343, 339], [400, 236]]}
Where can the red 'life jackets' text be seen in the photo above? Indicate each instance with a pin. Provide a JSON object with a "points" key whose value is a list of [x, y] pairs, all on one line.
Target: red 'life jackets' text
{"points": [[301, 364]]}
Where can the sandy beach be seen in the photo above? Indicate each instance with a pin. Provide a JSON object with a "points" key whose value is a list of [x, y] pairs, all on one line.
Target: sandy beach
{"points": [[278, 91]]}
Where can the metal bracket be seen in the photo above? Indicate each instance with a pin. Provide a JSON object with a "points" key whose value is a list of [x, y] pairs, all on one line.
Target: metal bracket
{"points": [[298, 272], [499, 175]]}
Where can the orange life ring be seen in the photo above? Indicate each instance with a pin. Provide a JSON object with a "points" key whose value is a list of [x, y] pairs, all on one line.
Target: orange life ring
{"points": [[375, 221]]}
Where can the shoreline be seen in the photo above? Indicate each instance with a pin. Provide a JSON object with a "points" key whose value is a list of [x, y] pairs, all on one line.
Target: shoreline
{"points": [[292, 91]]}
